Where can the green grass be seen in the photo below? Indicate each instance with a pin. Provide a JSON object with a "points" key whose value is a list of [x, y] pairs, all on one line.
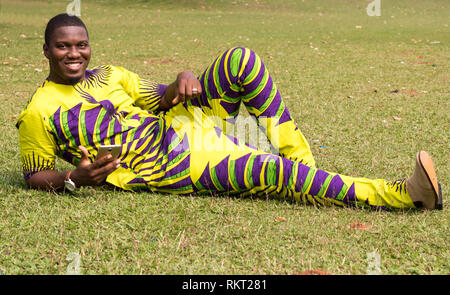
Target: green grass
{"points": [[336, 68]]}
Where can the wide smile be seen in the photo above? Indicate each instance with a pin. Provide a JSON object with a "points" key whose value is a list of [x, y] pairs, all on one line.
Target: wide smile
{"points": [[73, 66]]}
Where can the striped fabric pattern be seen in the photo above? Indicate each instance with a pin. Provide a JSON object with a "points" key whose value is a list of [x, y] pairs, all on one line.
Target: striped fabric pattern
{"points": [[159, 154]]}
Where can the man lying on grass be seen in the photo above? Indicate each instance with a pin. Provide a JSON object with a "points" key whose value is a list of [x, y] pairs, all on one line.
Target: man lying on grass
{"points": [[173, 138]]}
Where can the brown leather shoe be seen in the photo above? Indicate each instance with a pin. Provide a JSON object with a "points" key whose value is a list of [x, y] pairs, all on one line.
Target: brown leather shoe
{"points": [[422, 186]]}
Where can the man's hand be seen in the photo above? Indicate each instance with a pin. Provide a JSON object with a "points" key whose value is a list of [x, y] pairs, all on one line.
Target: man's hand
{"points": [[85, 173], [185, 87], [95, 173]]}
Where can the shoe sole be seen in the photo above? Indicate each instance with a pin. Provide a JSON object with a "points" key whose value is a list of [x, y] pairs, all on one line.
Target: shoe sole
{"points": [[427, 165]]}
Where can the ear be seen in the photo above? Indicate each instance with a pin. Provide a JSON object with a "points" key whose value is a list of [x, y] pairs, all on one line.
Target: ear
{"points": [[46, 49]]}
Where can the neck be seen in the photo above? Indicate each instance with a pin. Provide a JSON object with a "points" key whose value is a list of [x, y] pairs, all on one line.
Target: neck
{"points": [[65, 81]]}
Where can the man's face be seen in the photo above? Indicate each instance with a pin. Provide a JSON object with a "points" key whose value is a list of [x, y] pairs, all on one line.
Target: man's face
{"points": [[68, 53]]}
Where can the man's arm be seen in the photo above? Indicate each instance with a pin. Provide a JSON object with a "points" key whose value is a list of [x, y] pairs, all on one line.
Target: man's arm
{"points": [[85, 173], [180, 91]]}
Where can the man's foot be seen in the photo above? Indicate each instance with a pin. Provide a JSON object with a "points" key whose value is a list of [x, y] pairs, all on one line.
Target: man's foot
{"points": [[422, 186]]}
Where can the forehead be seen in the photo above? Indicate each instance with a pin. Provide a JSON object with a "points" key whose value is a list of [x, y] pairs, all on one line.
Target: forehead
{"points": [[69, 34]]}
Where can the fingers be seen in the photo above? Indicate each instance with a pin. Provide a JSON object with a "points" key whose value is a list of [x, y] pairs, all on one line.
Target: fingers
{"points": [[84, 161], [187, 89], [176, 100], [84, 153], [95, 173], [196, 89], [182, 90], [193, 88], [102, 161], [99, 174]]}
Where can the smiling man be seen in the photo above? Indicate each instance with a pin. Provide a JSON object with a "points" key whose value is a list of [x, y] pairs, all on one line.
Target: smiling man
{"points": [[67, 66], [174, 138]]}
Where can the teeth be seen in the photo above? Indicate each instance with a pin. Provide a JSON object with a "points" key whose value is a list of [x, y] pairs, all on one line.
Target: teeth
{"points": [[74, 66]]}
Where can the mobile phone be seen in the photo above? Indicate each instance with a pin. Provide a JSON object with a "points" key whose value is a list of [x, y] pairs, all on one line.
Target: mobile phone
{"points": [[114, 150]]}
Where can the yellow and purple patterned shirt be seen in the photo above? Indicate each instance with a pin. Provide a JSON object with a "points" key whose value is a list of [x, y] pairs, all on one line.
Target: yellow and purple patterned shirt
{"points": [[110, 106]]}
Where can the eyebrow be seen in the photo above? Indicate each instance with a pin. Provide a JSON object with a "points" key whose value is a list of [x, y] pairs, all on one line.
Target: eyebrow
{"points": [[68, 42]]}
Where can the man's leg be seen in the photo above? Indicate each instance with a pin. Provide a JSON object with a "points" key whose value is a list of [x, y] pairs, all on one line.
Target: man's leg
{"points": [[254, 172], [238, 75], [203, 159]]}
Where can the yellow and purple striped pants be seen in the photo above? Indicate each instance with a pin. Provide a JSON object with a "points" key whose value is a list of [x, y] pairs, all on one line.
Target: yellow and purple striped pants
{"points": [[204, 157]]}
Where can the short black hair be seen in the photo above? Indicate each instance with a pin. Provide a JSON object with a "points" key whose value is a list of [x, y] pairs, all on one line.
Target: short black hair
{"points": [[62, 20]]}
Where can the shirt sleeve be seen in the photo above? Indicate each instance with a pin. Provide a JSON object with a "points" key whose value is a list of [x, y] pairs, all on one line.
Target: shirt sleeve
{"points": [[37, 145], [146, 94]]}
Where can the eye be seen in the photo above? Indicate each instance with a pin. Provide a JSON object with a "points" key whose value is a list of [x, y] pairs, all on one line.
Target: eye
{"points": [[61, 46]]}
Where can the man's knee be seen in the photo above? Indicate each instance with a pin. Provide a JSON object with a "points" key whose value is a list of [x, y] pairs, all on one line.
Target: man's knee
{"points": [[240, 62]]}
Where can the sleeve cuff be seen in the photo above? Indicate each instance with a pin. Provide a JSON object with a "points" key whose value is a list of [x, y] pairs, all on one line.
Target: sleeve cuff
{"points": [[161, 89]]}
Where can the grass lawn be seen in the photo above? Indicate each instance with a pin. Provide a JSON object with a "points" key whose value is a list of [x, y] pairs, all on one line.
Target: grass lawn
{"points": [[367, 92]]}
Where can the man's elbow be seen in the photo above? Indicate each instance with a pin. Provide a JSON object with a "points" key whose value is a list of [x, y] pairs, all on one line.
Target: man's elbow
{"points": [[41, 181]]}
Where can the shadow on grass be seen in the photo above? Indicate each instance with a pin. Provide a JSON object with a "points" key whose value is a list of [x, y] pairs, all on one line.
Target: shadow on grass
{"points": [[13, 180], [292, 202]]}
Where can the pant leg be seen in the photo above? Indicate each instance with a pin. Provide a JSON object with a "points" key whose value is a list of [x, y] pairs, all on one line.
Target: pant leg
{"points": [[239, 76], [203, 159], [257, 173]]}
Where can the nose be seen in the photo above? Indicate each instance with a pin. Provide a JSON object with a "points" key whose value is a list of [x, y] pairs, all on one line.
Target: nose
{"points": [[73, 52]]}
